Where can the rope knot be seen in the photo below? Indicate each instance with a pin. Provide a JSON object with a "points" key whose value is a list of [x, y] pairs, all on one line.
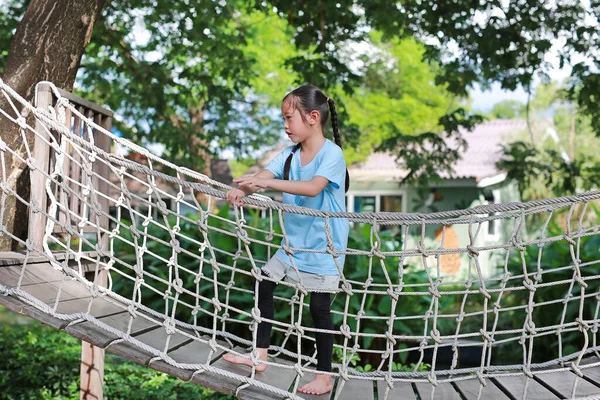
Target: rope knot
{"points": [[485, 293], [389, 381], [435, 292], [256, 315], [580, 281], [435, 335], [569, 240], [472, 251], [486, 336], [482, 380], [255, 271], [169, 325], [178, 285], [390, 338], [22, 122], [299, 329], [212, 343], [517, 244], [132, 311], [421, 249], [288, 250], [299, 370], [529, 285], [376, 251], [217, 304], [432, 379], [202, 225], [243, 235], [195, 310], [460, 317], [345, 329], [215, 267], [576, 369], [175, 244], [347, 288], [392, 293], [530, 328], [583, 326]]}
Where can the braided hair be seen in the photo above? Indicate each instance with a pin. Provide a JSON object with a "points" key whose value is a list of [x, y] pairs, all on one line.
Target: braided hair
{"points": [[306, 99]]}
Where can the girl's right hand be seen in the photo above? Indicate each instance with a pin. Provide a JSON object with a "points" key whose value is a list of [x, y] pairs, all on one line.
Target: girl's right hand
{"points": [[234, 196]]}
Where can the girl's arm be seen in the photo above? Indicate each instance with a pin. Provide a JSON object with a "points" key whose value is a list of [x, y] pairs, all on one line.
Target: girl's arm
{"points": [[302, 188], [234, 195]]}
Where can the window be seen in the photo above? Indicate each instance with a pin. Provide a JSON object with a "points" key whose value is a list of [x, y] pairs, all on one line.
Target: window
{"points": [[493, 229], [365, 204], [392, 203], [372, 201]]}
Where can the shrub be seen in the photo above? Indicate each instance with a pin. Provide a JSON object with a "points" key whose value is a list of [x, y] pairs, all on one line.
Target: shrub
{"points": [[42, 363]]}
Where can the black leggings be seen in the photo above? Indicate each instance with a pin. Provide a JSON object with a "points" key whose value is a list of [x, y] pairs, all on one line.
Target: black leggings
{"points": [[320, 310]]}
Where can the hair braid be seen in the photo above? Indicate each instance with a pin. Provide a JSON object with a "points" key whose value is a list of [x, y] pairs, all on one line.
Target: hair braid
{"points": [[334, 122], [336, 133]]}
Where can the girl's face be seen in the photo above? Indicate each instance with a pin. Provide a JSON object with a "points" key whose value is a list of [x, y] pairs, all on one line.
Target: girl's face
{"points": [[297, 129]]}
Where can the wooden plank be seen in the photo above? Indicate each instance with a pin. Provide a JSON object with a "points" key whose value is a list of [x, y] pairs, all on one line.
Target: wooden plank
{"points": [[358, 389], [48, 292], [515, 385], [593, 373], [99, 309], [225, 384], [18, 306], [18, 257], [565, 381], [472, 390], [102, 338], [157, 338], [443, 391], [281, 378], [32, 274], [401, 391], [73, 98], [194, 352]]}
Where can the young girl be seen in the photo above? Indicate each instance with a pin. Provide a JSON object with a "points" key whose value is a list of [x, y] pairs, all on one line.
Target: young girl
{"points": [[312, 173]]}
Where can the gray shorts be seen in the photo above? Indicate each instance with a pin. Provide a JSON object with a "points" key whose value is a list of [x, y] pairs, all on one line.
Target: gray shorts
{"points": [[277, 270]]}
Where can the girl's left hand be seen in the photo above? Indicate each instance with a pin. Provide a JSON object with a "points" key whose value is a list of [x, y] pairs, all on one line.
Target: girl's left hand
{"points": [[252, 181]]}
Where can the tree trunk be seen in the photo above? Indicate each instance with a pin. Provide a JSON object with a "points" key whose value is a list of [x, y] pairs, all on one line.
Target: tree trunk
{"points": [[47, 45]]}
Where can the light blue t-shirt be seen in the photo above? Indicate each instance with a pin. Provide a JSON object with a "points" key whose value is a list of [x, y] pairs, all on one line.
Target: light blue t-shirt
{"points": [[308, 232]]}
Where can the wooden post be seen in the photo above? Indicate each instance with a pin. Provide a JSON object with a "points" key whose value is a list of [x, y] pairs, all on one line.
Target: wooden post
{"points": [[92, 357], [91, 370], [41, 155]]}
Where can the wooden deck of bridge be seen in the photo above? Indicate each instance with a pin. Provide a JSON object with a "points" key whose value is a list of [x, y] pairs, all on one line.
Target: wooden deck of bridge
{"points": [[44, 282]]}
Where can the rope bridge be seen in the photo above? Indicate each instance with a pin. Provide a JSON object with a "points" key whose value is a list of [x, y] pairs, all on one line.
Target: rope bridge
{"points": [[152, 241]]}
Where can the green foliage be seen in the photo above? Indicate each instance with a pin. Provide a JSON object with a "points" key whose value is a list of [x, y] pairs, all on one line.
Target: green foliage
{"points": [[10, 16], [507, 109], [556, 156], [42, 363]]}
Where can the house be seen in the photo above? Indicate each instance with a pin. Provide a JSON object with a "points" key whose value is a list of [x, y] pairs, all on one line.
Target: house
{"points": [[375, 186]]}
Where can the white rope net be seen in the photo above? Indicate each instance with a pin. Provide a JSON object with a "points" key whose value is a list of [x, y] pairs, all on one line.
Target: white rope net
{"points": [[191, 267]]}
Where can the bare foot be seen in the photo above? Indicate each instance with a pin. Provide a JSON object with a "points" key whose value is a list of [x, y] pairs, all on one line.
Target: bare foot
{"points": [[247, 360], [320, 385]]}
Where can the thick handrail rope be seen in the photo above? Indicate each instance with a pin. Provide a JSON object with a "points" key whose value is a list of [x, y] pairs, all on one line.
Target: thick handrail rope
{"points": [[193, 279]]}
